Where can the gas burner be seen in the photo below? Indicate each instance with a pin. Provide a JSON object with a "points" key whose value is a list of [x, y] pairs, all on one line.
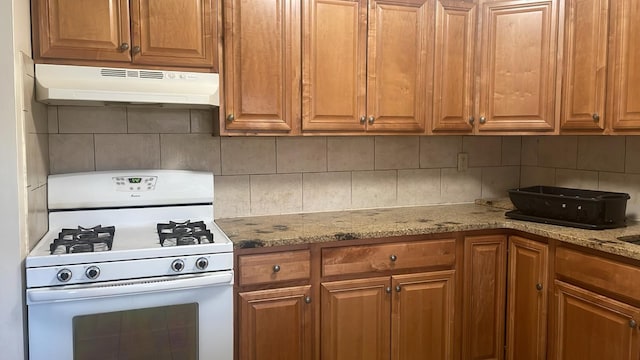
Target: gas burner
{"points": [[184, 233], [97, 238]]}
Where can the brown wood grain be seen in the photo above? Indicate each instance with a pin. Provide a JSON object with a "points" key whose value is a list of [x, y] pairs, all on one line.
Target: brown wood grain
{"points": [[259, 269]]}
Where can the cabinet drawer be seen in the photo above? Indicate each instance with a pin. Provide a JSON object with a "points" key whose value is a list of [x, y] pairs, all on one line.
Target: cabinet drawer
{"points": [[601, 273], [268, 268], [384, 257]]}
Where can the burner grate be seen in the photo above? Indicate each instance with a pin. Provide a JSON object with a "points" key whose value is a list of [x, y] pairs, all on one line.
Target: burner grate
{"points": [[82, 239], [184, 233]]}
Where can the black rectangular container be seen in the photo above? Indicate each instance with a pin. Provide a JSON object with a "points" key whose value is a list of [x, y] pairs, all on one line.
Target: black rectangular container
{"points": [[572, 207]]}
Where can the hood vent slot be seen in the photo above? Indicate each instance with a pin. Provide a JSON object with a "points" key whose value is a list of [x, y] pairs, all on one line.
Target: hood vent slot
{"points": [[113, 72], [151, 75]]}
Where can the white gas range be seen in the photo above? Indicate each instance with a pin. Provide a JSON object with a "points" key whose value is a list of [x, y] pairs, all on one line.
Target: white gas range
{"points": [[133, 266]]}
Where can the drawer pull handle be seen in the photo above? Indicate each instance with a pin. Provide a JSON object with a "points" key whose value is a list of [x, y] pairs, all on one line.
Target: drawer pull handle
{"points": [[398, 288], [393, 258], [632, 324], [539, 286], [307, 299], [276, 268]]}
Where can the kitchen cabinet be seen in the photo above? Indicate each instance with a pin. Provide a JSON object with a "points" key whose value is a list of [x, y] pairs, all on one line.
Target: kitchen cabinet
{"points": [[596, 307], [515, 67], [367, 65], [167, 33], [484, 294], [262, 67], [527, 299], [274, 316]]}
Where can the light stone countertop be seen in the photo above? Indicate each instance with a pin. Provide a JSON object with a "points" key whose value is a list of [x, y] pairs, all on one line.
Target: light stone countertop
{"points": [[279, 230]]}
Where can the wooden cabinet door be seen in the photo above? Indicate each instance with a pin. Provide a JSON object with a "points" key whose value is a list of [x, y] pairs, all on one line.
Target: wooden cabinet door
{"points": [[527, 299], [453, 78], [484, 297], [518, 65], [275, 324], [262, 66], [334, 65], [84, 30], [399, 64], [623, 100], [585, 65], [173, 32], [355, 316], [422, 316], [593, 327]]}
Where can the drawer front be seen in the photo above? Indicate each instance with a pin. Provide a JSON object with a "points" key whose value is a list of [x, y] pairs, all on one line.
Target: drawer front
{"points": [[598, 272], [273, 267], [385, 257]]}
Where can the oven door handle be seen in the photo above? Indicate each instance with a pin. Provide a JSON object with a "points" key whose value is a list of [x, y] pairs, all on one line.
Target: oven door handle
{"points": [[127, 287]]}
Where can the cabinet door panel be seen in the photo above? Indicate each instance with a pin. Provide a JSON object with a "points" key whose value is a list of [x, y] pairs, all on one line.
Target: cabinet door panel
{"points": [[399, 66], [624, 98], [334, 65], [355, 321], [422, 316], [173, 32], [87, 30], [275, 324], [527, 299], [262, 65], [585, 70], [593, 327], [453, 80], [517, 76]]}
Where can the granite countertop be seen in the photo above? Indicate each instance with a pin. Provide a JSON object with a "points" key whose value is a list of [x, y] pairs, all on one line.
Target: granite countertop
{"points": [[278, 230]]}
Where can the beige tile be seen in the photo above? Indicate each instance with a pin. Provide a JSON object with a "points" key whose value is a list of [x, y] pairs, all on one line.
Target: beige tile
{"points": [[625, 183], [350, 153], [248, 155], [276, 194], [71, 153], [439, 151], [37, 215], [40, 117], [579, 179], [496, 181], [52, 118], [601, 153], [557, 151], [127, 151], [532, 176], [231, 196], [632, 156], [370, 189], [511, 150], [326, 191], [92, 119], [419, 187], [301, 154], [483, 150], [397, 152], [190, 152], [37, 154], [529, 152], [202, 120], [461, 186], [151, 120]]}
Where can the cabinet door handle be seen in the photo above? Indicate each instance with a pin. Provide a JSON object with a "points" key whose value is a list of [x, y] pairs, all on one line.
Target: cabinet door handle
{"points": [[123, 47], [632, 324], [596, 117], [393, 258], [388, 289], [398, 288], [363, 119], [276, 268], [483, 119], [471, 120], [539, 286], [136, 49], [230, 118], [371, 119]]}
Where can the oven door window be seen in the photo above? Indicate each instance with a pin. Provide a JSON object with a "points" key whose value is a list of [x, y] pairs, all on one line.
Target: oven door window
{"points": [[165, 332]]}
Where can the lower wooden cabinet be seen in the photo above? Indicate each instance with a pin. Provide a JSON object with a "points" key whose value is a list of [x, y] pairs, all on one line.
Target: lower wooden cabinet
{"points": [[400, 317], [275, 324]]}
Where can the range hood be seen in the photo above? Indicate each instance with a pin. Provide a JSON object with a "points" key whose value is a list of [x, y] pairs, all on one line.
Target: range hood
{"points": [[88, 85]]}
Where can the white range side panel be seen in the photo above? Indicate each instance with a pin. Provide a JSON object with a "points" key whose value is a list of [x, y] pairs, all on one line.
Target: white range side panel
{"points": [[119, 188]]}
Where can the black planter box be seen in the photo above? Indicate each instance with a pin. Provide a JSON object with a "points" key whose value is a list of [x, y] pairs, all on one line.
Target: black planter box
{"points": [[571, 207]]}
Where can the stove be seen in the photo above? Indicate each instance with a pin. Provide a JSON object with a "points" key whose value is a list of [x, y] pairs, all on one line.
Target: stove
{"points": [[132, 240]]}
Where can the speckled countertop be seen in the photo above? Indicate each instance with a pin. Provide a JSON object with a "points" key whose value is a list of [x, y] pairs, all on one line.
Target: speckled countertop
{"points": [[266, 231]]}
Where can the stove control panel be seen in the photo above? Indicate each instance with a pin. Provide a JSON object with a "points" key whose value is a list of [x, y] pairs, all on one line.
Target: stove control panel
{"points": [[135, 183]]}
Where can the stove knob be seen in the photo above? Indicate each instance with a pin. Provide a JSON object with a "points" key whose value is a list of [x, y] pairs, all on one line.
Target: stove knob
{"points": [[202, 263], [64, 275], [177, 265], [92, 272]]}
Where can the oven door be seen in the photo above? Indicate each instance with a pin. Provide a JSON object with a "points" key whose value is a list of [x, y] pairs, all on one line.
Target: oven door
{"points": [[172, 317]]}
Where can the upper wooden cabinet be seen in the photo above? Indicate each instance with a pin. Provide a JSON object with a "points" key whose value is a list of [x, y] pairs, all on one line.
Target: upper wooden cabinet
{"points": [[150, 33], [261, 67], [367, 65]]}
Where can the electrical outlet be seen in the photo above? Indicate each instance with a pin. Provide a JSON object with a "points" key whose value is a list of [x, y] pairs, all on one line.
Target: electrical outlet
{"points": [[463, 161]]}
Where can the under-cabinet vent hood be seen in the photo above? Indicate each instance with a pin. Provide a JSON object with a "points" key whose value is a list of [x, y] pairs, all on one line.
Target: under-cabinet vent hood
{"points": [[88, 85]]}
